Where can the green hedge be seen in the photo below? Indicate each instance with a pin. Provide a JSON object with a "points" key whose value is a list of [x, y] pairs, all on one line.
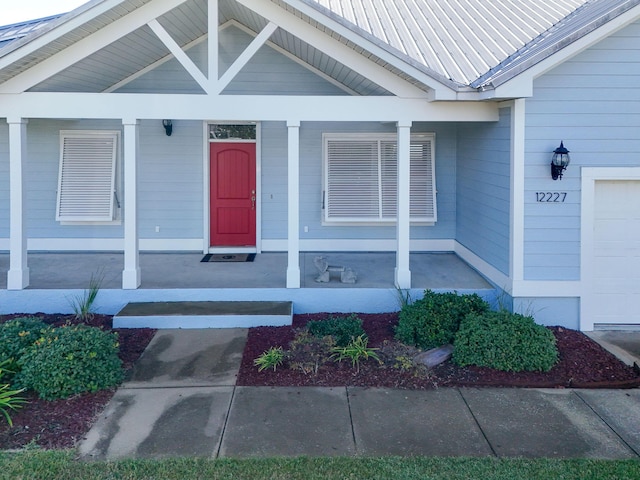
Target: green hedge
{"points": [[16, 337], [433, 320], [69, 360], [505, 341]]}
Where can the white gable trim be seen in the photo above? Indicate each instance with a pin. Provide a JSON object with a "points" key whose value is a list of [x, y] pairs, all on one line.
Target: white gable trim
{"points": [[441, 91], [335, 49], [85, 47], [180, 55], [245, 56]]}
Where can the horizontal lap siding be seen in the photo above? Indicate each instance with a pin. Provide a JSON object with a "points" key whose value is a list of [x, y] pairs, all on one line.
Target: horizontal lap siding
{"points": [[592, 103], [483, 190]]}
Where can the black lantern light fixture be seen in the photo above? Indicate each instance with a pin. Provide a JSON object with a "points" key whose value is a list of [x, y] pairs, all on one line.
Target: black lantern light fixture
{"points": [[168, 127], [559, 161]]}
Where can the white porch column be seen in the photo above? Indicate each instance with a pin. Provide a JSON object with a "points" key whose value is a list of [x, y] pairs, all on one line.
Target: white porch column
{"points": [[18, 275], [131, 272], [293, 181], [402, 272]]}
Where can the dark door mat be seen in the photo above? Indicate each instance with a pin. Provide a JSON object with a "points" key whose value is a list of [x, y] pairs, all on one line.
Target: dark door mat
{"points": [[229, 257]]}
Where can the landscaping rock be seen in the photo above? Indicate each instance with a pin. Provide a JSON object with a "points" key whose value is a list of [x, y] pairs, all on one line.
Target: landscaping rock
{"points": [[434, 357]]}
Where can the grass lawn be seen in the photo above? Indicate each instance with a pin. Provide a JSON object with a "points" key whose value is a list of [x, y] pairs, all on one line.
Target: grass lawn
{"points": [[53, 465]]}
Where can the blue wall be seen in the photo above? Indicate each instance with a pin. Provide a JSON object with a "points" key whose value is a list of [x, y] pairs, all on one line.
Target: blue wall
{"points": [[483, 189]]}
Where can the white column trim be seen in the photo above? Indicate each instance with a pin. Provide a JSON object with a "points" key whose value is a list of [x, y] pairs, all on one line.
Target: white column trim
{"points": [[131, 273], [293, 199], [213, 40], [516, 264], [245, 56], [180, 55], [403, 226], [18, 275]]}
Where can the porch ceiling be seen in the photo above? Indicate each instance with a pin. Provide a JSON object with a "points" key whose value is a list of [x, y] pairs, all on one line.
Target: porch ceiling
{"points": [[110, 67]]}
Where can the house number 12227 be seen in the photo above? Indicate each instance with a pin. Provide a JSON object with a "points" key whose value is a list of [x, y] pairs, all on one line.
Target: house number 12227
{"points": [[551, 197]]}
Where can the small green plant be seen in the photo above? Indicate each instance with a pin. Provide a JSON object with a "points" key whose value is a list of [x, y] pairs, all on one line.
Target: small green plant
{"points": [[16, 336], [505, 341], [355, 351], [9, 399], [307, 352], [272, 358], [433, 320], [343, 329], [69, 360], [84, 305]]}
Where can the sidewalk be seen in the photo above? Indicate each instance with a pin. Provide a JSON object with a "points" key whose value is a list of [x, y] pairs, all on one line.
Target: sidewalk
{"points": [[182, 400]]}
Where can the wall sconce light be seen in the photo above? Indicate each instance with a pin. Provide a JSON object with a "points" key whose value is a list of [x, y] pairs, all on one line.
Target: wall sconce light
{"points": [[559, 161], [168, 127]]}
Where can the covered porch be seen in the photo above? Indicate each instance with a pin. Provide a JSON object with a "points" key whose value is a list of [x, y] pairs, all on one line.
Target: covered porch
{"points": [[56, 278]]}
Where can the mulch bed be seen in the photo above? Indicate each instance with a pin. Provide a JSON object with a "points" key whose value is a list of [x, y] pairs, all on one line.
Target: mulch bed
{"points": [[62, 423], [582, 364]]}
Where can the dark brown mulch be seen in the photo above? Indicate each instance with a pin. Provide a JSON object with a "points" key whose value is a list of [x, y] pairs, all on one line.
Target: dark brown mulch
{"points": [[61, 423], [583, 364]]}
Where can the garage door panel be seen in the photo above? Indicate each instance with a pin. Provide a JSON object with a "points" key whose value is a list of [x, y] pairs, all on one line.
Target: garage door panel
{"points": [[616, 252]]}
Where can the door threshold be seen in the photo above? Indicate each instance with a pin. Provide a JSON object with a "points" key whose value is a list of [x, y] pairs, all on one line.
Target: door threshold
{"points": [[233, 250]]}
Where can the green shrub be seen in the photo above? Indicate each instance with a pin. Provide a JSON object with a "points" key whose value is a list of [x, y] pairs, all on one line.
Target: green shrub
{"points": [[343, 329], [505, 341], [271, 358], [16, 336], [433, 320], [355, 351], [69, 360]]}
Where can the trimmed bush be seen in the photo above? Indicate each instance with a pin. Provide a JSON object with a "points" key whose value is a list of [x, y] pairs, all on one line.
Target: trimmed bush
{"points": [[69, 360], [343, 329], [505, 341], [16, 337], [433, 320]]}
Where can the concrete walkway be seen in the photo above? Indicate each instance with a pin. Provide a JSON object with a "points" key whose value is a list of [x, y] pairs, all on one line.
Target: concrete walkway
{"points": [[182, 400]]}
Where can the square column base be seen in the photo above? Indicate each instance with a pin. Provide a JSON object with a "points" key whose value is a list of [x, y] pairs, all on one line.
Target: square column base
{"points": [[402, 278], [293, 278], [131, 279], [18, 279]]}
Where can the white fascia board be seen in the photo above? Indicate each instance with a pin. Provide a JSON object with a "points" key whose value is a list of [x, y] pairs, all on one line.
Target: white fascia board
{"points": [[522, 84], [335, 49], [242, 107], [441, 91], [89, 45]]}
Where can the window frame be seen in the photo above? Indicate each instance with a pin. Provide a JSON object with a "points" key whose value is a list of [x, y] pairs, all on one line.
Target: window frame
{"points": [[381, 138], [114, 210]]}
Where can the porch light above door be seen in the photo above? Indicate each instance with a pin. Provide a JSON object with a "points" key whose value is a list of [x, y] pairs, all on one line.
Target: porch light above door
{"points": [[559, 161], [168, 127]]}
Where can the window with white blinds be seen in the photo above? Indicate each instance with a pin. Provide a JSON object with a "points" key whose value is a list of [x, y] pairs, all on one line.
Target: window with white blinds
{"points": [[86, 181], [360, 178]]}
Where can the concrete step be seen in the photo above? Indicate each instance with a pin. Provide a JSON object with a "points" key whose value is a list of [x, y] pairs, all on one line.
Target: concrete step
{"points": [[203, 314]]}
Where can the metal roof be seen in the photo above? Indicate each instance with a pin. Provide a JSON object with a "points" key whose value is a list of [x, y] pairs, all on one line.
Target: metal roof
{"points": [[459, 43]]}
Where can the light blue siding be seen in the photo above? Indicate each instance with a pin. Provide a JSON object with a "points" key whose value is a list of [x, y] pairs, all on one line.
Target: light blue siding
{"points": [[4, 179], [592, 103], [267, 73], [550, 311], [483, 189]]}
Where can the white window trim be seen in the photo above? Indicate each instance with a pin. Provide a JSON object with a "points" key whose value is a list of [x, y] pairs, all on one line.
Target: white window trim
{"points": [[115, 199], [378, 137]]}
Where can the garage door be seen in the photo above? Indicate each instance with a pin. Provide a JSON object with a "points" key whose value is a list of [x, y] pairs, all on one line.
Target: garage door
{"points": [[616, 253]]}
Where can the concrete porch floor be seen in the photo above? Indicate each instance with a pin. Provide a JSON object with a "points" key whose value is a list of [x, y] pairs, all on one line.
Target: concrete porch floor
{"points": [[268, 270]]}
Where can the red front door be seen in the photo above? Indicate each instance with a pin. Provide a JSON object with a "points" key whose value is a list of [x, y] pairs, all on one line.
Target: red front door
{"points": [[233, 194]]}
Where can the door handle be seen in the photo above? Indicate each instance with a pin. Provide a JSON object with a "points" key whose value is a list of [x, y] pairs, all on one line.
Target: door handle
{"points": [[253, 202]]}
